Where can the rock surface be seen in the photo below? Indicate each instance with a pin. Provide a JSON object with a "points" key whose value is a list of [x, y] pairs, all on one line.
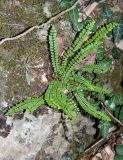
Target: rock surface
{"points": [[42, 137], [25, 71], [27, 136]]}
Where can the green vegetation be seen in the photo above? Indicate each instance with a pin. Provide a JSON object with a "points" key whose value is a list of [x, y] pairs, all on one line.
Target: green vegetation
{"points": [[68, 89], [119, 152]]}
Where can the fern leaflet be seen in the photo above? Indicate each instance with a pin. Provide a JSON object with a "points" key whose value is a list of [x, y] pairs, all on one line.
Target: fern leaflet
{"points": [[77, 42], [89, 108], [29, 105], [53, 49]]}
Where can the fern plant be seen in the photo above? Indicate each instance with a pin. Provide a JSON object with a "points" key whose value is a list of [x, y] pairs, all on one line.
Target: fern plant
{"points": [[67, 80]]}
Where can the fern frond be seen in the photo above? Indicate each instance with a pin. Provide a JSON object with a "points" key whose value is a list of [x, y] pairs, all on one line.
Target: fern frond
{"points": [[89, 108], [79, 57], [96, 68], [29, 105], [55, 95], [53, 49], [77, 42], [57, 99], [75, 87], [101, 33], [88, 85], [90, 45]]}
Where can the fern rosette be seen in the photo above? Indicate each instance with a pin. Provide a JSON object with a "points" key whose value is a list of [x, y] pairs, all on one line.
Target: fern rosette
{"points": [[66, 79]]}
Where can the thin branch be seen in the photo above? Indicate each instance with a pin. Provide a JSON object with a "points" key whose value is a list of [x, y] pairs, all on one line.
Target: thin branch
{"points": [[41, 25], [97, 146], [92, 150], [114, 119]]}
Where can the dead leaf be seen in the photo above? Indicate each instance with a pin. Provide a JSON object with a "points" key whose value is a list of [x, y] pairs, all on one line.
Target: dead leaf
{"points": [[105, 154], [90, 8], [120, 45]]}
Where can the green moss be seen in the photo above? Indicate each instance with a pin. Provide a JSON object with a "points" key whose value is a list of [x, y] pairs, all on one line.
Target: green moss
{"points": [[15, 87], [15, 19], [55, 8], [9, 65], [31, 47]]}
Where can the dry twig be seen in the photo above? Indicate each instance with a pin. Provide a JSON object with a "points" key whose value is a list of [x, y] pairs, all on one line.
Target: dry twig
{"points": [[96, 147], [114, 119]]}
